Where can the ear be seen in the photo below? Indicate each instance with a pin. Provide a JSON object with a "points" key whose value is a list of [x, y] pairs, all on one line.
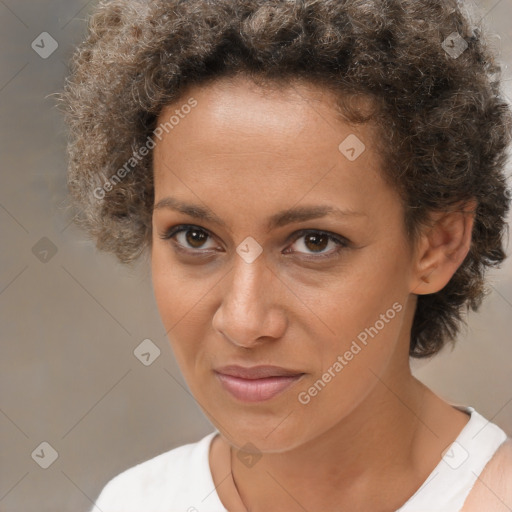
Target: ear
{"points": [[442, 247]]}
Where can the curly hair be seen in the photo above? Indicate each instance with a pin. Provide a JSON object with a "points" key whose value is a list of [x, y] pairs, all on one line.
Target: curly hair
{"points": [[443, 124]]}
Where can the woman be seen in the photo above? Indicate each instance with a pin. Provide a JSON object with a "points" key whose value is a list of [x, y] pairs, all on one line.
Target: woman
{"points": [[320, 186]]}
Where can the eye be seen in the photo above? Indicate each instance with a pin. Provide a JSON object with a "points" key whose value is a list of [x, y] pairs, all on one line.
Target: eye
{"points": [[317, 241], [191, 239]]}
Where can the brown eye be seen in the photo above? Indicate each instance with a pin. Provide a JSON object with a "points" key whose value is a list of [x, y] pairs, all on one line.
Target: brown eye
{"points": [[315, 242], [195, 237], [188, 237], [192, 240]]}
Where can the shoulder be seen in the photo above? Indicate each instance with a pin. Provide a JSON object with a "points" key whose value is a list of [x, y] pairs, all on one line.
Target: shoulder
{"points": [[493, 488], [166, 478]]}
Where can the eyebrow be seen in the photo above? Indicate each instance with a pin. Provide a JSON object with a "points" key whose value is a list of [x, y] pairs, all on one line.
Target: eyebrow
{"points": [[279, 219]]}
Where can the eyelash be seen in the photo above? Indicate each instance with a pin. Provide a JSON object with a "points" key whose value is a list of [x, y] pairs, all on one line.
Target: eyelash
{"points": [[342, 242]]}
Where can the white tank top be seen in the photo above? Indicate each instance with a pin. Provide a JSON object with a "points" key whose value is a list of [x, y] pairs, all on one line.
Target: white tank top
{"points": [[448, 486], [180, 480]]}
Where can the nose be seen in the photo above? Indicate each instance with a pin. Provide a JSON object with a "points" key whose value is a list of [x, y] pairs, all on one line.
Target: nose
{"points": [[250, 312]]}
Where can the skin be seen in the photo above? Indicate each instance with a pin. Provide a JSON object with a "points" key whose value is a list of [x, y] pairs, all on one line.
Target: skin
{"points": [[493, 489], [373, 434]]}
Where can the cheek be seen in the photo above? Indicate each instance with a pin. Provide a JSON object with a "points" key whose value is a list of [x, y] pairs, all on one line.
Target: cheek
{"points": [[359, 300], [182, 300], [177, 288], [174, 294], [353, 361], [165, 286], [363, 311]]}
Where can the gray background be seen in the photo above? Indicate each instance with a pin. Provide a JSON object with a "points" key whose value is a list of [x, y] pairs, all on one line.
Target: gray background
{"points": [[70, 321]]}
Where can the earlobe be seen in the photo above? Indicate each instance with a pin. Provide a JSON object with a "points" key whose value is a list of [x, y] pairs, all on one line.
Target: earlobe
{"points": [[442, 248]]}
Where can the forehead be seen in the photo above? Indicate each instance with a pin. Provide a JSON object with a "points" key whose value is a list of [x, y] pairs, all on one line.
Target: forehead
{"points": [[236, 116], [269, 102], [279, 143]]}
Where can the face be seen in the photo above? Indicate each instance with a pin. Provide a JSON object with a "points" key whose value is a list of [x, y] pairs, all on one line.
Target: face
{"points": [[274, 246]]}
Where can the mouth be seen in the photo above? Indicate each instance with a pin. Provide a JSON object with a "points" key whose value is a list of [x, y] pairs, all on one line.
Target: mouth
{"points": [[257, 383]]}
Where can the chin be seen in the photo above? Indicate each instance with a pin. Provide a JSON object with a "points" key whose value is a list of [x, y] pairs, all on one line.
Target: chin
{"points": [[268, 435]]}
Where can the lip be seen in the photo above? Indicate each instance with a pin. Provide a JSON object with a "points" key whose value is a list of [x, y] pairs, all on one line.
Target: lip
{"points": [[256, 383]]}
